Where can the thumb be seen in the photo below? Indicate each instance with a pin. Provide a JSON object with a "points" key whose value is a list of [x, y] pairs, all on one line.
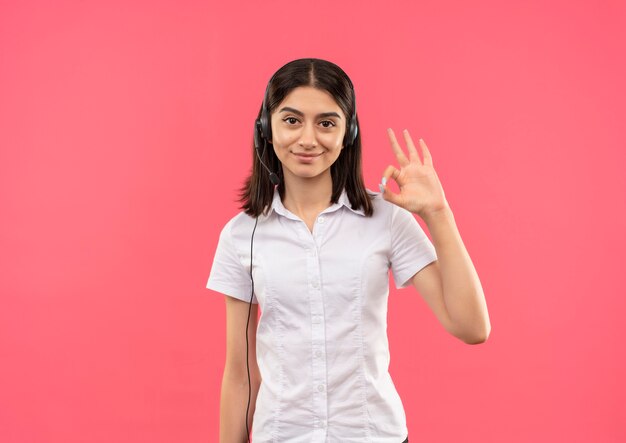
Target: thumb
{"points": [[387, 194], [390, 196]]}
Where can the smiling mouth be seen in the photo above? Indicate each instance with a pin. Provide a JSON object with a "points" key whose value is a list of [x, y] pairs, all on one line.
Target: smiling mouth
{"points": [[299, 154]]}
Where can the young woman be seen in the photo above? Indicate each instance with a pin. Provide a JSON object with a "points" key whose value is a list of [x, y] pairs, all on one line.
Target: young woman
{"points": [[313, 248]]}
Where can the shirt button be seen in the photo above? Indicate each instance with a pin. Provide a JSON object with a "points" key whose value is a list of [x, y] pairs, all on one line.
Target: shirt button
{"points": [[318, 353], [320, 388], [321, 219], [315, 284]]}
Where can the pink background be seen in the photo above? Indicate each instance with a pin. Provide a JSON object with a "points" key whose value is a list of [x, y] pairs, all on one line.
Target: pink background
{"points": [[125, 132]]}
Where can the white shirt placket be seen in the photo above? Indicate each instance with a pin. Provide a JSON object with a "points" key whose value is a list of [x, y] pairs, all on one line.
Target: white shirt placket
{"points": [[318, 331]]}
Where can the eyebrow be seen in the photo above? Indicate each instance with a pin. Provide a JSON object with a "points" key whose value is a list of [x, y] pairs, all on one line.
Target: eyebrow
{"points": [[300, 113]]}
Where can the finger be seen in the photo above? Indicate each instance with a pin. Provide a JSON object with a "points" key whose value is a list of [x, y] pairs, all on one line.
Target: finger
{"points": [[402, 160], [390, 172], [387, 194], [428, 159], [413, 155], [392, 198]]}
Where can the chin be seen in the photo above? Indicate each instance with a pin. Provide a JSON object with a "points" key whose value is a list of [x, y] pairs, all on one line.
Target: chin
{"points": [[307, 173]]}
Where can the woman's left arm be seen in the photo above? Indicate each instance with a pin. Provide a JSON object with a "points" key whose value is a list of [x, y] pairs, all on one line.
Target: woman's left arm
{"points": [[450, 285]]}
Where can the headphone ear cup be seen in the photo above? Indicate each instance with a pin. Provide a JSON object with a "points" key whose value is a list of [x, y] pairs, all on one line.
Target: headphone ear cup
{"points": [[266, 130], [257, 134], [352, 132]]}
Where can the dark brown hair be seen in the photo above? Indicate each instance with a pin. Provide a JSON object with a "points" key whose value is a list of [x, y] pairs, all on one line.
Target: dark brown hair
{"points": [[257, 193]]}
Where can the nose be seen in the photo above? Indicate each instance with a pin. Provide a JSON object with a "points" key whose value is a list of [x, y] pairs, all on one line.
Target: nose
{"points": [[307, 137]]}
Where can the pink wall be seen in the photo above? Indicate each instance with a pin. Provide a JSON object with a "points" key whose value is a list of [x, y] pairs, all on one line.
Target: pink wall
{"points": [[125, 131]]}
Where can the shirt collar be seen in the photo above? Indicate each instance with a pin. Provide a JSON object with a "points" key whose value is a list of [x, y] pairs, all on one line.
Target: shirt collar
{"points": [[278, 207], [345, 201]]}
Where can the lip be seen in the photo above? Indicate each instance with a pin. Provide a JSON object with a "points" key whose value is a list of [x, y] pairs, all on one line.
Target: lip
{"points": [[305, 155], [306, 158]]}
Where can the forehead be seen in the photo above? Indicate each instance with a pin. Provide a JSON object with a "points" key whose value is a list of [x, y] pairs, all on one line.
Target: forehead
{"points": [[310, 99]]}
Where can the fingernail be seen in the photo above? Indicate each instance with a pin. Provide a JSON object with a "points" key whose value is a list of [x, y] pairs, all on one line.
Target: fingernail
{"points": [[382, 188], [384, 181]]}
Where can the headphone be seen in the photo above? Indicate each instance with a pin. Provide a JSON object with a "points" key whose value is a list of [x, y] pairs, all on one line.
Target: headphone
{"points": [[262, 134], [263, 129]]}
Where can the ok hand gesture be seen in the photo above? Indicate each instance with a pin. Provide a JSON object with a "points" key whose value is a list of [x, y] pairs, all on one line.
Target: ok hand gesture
{"points": [[420, 189]]}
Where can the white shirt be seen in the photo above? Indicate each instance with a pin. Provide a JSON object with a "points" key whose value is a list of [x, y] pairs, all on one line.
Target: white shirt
{"points": [[322, 347]]}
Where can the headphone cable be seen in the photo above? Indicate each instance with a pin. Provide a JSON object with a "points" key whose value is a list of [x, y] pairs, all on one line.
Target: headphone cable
{"points": [[247, 323]]}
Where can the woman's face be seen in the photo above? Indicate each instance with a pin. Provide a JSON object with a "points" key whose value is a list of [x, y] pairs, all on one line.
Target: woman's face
{"points": [[308, 128]]}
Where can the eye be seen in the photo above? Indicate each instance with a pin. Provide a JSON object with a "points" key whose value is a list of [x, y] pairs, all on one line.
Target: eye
{"points": [[325, 123]]}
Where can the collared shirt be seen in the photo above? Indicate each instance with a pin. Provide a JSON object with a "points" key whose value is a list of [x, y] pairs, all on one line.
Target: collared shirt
{"points": [[322, 346]]}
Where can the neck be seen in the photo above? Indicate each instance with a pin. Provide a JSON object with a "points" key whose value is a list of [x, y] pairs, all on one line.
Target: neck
{"points": [[307, 197]]}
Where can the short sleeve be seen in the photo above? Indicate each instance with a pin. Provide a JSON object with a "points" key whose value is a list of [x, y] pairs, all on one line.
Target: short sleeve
{"points": [[228, 274], [411, 249]]}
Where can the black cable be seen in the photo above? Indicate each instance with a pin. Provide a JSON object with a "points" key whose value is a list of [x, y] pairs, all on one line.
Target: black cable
{"points": [[247, 323]]}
